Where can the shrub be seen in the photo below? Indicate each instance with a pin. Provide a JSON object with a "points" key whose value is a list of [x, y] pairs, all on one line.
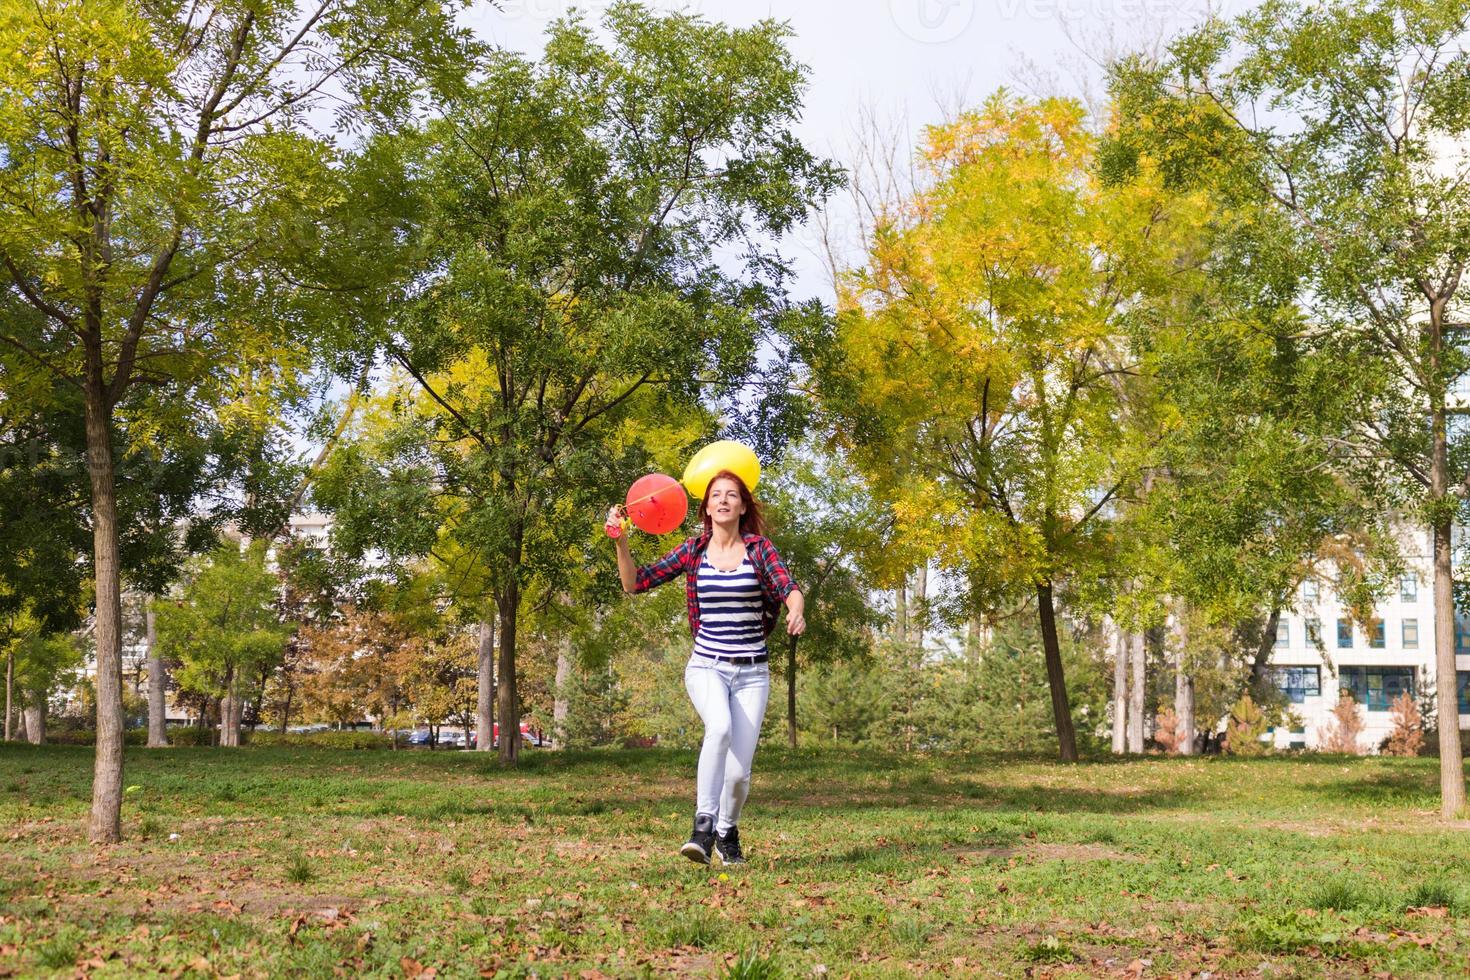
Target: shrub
{"points": [[1341, 733], [322, 740], [1407, 736], [57, 734], [1166, 730], [1244, 730], [190, 736]]}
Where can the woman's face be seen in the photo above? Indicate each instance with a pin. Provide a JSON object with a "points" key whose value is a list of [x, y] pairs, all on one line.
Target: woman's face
{"points": [[724, 504]]}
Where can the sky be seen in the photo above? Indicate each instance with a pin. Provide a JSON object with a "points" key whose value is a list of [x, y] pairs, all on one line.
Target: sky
{"points": [[903, 61]]}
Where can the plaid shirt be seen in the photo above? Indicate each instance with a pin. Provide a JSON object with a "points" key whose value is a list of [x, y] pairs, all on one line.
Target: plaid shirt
{"points": [[776, 583]]}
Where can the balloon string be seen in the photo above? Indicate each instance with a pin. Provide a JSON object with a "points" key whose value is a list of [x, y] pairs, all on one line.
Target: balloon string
{"points": [[646, 496]]}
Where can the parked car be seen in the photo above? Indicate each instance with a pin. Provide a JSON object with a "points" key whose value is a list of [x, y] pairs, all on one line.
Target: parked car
{"points": [[452, 740], [422, 737]]}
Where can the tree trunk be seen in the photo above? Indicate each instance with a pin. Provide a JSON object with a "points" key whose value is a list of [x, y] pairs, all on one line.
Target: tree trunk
{"points": [[36, 723], [510, 709], [1262, 662], [1451, 766], [157, 683], [1120, 690], [1061, 711], [1442, 508], [286, 706], [559, 703], [229, 728], [105, 825], [9, 693], [1183, 689], [921, 605], [485, 704], [901, 612], [791, 691], [1137, 655]]}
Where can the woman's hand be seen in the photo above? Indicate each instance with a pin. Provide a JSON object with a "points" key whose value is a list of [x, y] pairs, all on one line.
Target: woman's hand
{"points": [[795, 613], [614, 515], [795, 623]]}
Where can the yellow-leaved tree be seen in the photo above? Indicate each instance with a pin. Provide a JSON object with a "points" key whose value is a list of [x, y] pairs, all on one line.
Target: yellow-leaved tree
{"points": [[984, 368]]}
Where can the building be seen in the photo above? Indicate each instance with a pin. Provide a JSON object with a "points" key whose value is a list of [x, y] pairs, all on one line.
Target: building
{"points": [[1321, 652]]}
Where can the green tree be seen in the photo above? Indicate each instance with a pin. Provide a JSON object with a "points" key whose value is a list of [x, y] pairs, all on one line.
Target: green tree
{"points": [[828, 528], [562, 223], [157, 158], [1360, 168], [44, 664], [224, 630]]}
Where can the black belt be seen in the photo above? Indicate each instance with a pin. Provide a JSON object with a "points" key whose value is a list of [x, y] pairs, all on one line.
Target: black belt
{"points": [[738, 661]]}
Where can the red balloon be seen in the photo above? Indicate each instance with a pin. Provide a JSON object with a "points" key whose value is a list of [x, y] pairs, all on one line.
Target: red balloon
{"points": [[657, 504]]}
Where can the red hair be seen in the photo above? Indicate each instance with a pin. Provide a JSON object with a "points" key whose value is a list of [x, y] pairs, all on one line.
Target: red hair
{"points": [[751, 522]]}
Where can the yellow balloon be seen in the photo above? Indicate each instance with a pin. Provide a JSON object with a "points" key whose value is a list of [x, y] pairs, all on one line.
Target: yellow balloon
{"points": [[736, 457]]}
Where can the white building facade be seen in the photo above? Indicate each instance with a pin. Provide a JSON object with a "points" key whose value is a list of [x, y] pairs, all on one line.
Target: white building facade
{"points": [[1320, 652]]}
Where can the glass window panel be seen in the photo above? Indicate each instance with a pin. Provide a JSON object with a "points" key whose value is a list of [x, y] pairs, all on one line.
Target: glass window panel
{"points": [[1375, 688], [1409, 588], [1344, 634], [1298, 683], [1411, 634], [1314, 631], [1309, 588], [1377, 634], [1283, 632]]}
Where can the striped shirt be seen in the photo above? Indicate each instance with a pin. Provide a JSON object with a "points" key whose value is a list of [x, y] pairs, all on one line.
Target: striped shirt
{"points": [[774, 578], [730, 611]]}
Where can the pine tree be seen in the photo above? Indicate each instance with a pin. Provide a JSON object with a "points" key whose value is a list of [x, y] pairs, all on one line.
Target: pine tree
{"points": [[1246, 726], [1166, 730], [1407, 736], [1341, 733]]}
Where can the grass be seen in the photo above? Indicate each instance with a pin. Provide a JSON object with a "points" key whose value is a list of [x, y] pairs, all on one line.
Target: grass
{"points": [[270, 861]]}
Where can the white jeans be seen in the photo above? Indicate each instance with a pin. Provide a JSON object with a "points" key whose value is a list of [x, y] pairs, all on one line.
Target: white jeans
{"points": [[731, 701]]}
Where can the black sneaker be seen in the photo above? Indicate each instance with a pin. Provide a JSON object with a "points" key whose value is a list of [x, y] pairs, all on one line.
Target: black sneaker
{"points": [[702, 841], [728, 847]]}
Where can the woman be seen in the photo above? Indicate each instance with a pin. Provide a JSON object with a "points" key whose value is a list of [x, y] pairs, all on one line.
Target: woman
{"points": [[735, 583]]}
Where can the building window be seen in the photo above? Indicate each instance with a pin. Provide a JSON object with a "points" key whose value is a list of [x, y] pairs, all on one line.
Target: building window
{"points": [[1462, 683], [1283, 632], [1462, 632], [1411, 634], [1344, 634], [1376, 687], [1314, 632], [1409, 588], [1298, 683], [1309, 588], [1377, 634]]}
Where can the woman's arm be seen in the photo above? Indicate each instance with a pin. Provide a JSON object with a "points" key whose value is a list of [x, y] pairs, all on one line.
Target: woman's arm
{"points": [[627, 568], [795, 612]]}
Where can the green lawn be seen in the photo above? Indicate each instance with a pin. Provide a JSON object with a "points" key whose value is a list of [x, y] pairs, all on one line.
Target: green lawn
{"points": [[313, 861]]}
